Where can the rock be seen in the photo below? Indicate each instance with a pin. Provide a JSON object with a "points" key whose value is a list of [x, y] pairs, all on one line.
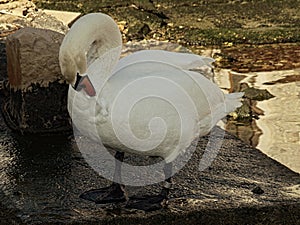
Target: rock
{"points": [[65, 17], [139, 31], [29, 100], [257, 94], [32, 56], [18, 8], [36, 96], [258, 190], [23, 13]]}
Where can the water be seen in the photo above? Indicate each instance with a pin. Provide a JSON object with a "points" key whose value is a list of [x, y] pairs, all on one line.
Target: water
{"points": [[277, 131]]}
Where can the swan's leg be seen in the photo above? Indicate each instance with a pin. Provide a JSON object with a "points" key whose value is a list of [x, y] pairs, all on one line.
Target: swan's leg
{"points": [[168, 181], [151, 203], [113, 193]]}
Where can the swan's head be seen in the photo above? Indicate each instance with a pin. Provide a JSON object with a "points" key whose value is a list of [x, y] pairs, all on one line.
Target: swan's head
{"points": [[73, 68], [93, 34], [71, 63]]}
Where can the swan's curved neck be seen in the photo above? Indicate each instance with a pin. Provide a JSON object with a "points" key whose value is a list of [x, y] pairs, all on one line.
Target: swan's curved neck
{"points": [[96, 30], [89, 38]]}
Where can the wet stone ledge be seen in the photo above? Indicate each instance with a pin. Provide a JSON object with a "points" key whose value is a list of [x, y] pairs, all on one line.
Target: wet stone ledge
{"points": [[41, 180]]}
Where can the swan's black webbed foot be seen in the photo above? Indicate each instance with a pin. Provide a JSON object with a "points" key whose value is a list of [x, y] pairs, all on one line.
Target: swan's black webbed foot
{"points": [[150, 202], [156, 202], [146, 203], [111, 194]]}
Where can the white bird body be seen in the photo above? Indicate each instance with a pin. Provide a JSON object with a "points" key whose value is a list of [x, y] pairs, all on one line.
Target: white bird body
{"points": [[147, 103]]}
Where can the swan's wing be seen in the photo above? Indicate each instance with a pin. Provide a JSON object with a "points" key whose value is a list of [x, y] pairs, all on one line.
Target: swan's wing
{"points": [[182, 60], [220, 103], [155, 108], [149, 96]]}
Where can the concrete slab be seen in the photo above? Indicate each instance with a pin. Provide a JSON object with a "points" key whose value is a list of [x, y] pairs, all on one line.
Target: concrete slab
{"points": [[65, 17]]}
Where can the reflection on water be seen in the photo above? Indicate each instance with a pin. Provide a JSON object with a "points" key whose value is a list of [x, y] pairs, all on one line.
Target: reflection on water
{"points": [[277, 132]]}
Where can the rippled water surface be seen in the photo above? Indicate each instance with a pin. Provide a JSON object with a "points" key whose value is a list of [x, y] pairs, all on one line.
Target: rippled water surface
{"points": [[277, 131]]}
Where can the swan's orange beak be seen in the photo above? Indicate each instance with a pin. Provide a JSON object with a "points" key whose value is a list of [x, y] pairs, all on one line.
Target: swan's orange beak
{"points": [[85, 84]]}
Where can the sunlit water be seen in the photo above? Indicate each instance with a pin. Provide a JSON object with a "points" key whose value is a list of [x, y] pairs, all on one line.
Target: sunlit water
{"points": [[277, 132]]}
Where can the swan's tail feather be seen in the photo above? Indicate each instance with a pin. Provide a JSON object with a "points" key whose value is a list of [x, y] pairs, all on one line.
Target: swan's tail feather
{"points": [[233, 101]]}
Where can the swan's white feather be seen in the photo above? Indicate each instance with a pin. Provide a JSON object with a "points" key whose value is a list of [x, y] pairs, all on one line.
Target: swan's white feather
{"points": [[147, 103], [182, 60], [208, 99]]}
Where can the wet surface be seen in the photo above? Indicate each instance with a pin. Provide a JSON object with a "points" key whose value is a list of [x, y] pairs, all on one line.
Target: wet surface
{"points": [[42, 178], [276, 132], [256, 58]]}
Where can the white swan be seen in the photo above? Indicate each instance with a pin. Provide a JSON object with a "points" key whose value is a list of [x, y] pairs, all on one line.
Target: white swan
{"points": [[147, 103]]}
